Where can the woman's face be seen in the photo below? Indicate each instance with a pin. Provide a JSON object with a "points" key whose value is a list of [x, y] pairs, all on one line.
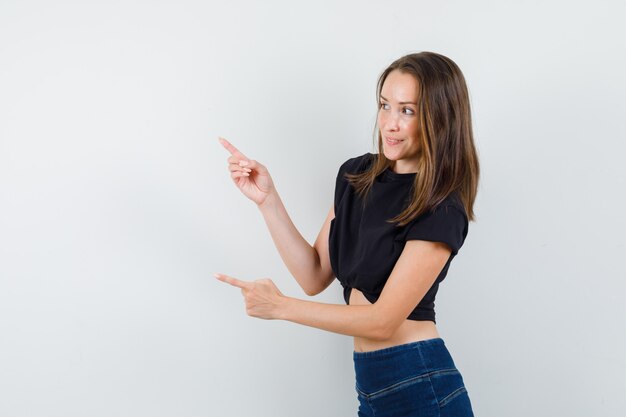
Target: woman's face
{"points": [[398, 121]]}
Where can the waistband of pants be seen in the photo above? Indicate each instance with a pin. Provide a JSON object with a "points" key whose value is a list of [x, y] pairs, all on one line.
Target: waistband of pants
{"points": [[398, 349]]}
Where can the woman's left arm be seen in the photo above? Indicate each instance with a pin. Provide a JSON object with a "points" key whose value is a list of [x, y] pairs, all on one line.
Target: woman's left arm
{"points": [[414, 273]]}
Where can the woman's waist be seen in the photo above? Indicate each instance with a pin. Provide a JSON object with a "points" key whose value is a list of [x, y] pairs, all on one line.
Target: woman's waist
{"points": [[409, 331]]}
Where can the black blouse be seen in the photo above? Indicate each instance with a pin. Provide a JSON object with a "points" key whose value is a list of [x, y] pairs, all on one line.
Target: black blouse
{"points": [[364, 247]]}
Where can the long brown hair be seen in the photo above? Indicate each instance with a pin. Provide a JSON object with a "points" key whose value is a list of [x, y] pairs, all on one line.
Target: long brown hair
{"points": [[448, 161]]}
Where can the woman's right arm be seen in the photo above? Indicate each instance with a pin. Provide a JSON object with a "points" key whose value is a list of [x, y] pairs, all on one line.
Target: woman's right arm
{"points": [[310, 265]]}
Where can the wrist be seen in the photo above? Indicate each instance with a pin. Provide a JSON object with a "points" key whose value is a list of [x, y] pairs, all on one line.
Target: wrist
{"points": [[284, 307], [270, 202]]}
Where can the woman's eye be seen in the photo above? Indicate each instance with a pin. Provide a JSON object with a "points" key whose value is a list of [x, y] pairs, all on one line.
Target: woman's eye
{"points": [[405, 110]]}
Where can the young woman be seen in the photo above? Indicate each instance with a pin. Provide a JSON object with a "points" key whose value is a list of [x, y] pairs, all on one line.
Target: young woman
{"points": [[398, 219]]}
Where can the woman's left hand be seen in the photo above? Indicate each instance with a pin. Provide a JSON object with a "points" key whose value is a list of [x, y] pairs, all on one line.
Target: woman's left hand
{"points": [[263, 298]]}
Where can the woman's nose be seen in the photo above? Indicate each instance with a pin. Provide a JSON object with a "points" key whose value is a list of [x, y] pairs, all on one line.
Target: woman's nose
{"points": [[391, 122]]}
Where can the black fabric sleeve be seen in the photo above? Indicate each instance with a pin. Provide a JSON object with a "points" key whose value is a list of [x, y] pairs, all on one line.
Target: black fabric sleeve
{"points": [[447, 224], [352, 166], [341, 183]]}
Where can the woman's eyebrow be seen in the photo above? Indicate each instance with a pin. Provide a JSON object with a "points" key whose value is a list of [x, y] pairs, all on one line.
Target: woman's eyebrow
{"points": [[402, 102]]}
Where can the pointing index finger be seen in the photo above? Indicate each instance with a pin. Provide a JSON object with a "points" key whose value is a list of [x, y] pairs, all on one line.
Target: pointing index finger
{"points": [[233, 281], [230, 148]]}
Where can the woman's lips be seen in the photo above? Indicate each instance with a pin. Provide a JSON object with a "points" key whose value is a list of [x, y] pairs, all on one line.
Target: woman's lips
{"points": [[393, 142]]}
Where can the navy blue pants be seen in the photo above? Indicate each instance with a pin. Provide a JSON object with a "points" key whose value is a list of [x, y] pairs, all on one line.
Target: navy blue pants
{"points": [[416, 379]]}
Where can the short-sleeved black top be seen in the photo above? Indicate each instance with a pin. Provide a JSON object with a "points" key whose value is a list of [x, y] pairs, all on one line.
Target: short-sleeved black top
{"points": [[364, 247]]}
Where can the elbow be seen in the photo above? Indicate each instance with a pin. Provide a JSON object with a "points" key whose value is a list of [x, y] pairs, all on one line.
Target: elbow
{"points": [[383, 327], [316, 285], [382, 333], [310, 291]]}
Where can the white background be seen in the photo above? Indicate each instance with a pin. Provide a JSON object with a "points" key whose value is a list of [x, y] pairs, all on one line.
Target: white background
{"points": [[116, 204]]}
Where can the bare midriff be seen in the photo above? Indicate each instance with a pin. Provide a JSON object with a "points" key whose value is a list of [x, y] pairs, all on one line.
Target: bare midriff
{"points": [[409, 331]]}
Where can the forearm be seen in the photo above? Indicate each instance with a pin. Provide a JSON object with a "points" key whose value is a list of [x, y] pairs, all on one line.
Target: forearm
{"points": [[350, 320], [298, 255]]}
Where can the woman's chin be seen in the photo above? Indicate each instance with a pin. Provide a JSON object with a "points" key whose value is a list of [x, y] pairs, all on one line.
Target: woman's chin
{"points": [[390, 154]]}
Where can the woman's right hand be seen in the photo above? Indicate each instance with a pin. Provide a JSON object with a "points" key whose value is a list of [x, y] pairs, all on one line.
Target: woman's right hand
{"points": [[251, 177]]}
